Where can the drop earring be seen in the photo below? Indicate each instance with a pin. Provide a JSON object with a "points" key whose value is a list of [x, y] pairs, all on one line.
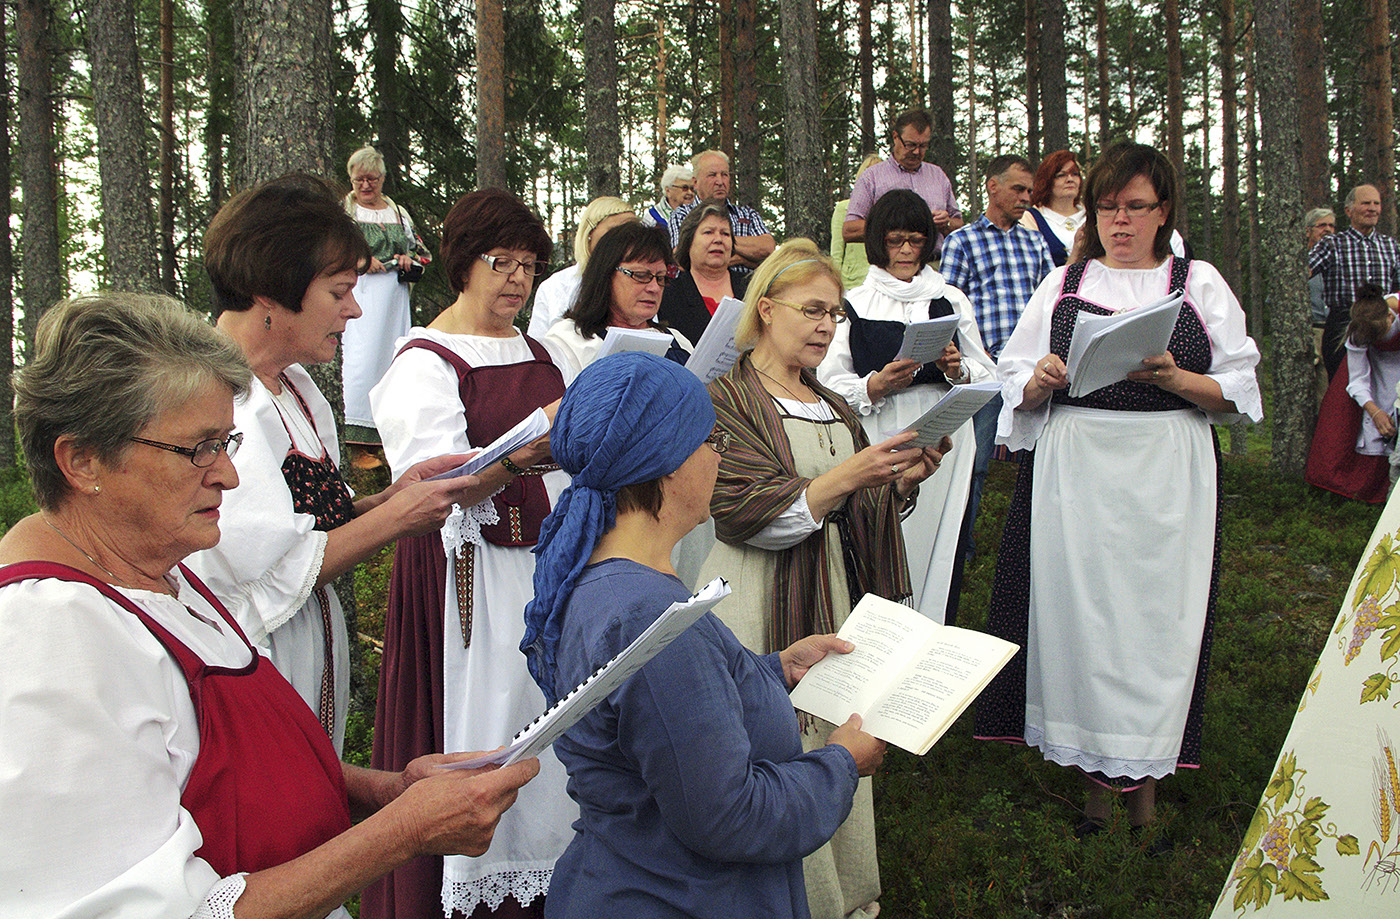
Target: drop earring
{"points": [[267, 322]]}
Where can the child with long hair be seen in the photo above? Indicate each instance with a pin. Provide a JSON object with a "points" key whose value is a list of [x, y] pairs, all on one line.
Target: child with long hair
{"points": [[1356, 431]]}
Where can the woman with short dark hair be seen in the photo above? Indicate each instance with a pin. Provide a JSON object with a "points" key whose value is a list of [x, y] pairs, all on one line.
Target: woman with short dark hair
{"points": [[452, 670], [703, 253], [621, 288], [888, 394]]}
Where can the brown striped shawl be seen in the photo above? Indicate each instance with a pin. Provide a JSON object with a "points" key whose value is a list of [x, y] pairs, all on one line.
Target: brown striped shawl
{"points": [[758, 480]]}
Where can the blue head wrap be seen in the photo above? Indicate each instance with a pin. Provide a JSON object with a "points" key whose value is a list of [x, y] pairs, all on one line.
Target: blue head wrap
{"points": [[628, 418]]}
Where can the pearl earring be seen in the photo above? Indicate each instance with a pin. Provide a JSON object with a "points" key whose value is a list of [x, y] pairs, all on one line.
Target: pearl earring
{"points": [[97, 489]]}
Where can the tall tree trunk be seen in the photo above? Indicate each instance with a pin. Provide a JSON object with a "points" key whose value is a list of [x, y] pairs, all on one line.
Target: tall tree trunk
{"points": [[1176, 147], [748, 138], [727, 66], [659, 144], [1251, 188], [1054, 101], [42, 278], [127, 228], [385, 18], [286, 47], [7, 271], [1032, 84], [1205, 240], [1229, 259], [974, 186], [600, 65], [1101, 60], [1380, 117], [220, 61], [165, 216], [807, 196], [1295, 397], [866, 57], [946, 151], [1312, 101]]}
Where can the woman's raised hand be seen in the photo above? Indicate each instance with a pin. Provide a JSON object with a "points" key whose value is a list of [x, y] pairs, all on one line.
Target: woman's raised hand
{"points": [[950, 363], [893, 377], [881, 464]]}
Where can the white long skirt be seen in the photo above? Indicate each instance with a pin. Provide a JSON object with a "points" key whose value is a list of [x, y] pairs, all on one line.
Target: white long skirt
{"points": [[1122, 543], [368, 342]]}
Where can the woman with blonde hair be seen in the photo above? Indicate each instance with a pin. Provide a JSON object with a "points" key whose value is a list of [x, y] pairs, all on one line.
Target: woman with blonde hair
{"points": [[557, 293], [807, 513]]}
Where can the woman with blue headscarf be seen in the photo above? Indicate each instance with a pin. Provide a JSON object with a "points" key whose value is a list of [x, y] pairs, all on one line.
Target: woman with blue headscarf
{"points": [[695, 798]]}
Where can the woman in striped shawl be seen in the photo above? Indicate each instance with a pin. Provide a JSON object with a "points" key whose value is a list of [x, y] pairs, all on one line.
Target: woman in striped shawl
{"points": [[807, 513]]}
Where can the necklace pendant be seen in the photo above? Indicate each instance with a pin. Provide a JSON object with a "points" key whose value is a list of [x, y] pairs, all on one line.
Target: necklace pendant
{"points": [[833, 449]]}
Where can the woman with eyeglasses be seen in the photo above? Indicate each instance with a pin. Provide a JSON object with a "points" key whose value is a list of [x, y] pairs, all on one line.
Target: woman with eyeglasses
{"points": [[889, 394], [622, 288], [453, 676], [283, 259], [807, 513], [1055, 211], [1108, 568], [155, 763], [695, 795]]}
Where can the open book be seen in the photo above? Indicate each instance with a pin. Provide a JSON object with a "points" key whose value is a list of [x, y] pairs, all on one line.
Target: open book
{"points": [[532, 427], [716, 351], [544, 730], [925, 340], [949, 413], [908, 678], [1105, 349], [648, 340]]}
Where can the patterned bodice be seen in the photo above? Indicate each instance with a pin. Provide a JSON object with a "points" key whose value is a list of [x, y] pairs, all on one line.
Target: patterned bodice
{"points": [[1189, 346]]}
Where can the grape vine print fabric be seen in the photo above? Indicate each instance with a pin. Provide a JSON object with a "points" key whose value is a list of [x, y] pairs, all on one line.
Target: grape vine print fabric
{"points": [[1325, 839]]}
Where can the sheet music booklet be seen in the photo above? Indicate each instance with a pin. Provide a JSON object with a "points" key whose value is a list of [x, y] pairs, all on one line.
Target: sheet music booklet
{"points": [[716, 351], [1105, 349], [534, 426], [925, 340], [949, 413], [544, 730], [648, 340]]}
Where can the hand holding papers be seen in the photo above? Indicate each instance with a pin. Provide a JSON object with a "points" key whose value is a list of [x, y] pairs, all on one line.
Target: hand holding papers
{"points": [[547, 728], [534, 426], [949, 413], [716, 352], [908, 678], [924, 341], [1105, 349]]}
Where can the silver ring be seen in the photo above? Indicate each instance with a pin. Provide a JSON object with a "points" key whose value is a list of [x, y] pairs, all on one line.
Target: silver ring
{"points": [[894, 469]]}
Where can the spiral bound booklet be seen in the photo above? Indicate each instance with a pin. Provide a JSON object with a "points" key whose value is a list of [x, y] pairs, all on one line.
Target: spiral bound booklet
{"points": [[544, 730]]}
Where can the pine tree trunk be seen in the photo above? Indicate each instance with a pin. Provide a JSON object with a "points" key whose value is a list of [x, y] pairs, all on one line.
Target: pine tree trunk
{"points": [[1295, 405], [1312, 102], [601, 94], [1101, 61], [1205, 241], [748, 137], [807, 196], [974, 187], [1229, 259], [866, 56], [946, 151], [7, 271], [604, 142], [128, 233], [727, 67], [1255, 306], [662, 157], [1380, 119], [1033, 133], [42, 278], [1176, 147], [391, 141], [222, 77], [1054, 101], [166, 214]]}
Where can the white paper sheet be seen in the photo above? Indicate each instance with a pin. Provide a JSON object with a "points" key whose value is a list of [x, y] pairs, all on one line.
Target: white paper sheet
{"points": [[716, 351], [1105, 349]]}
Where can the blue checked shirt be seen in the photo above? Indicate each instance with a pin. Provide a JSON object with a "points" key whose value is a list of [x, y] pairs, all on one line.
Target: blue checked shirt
{"points": [[998, 270], [1349, 258], [745, 219]]}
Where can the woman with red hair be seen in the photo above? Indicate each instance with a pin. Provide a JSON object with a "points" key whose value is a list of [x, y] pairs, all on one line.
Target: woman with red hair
{"points": [[1055, 207]]}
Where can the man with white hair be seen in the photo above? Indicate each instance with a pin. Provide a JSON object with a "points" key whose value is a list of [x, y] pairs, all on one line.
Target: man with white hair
{"points": [[677, 188], [1358, 255], [752, 241]]}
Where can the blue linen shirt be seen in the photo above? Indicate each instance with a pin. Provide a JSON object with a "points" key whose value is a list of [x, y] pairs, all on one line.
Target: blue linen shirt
{"points": [[695, 798], [998, 270], [1351, 258]]}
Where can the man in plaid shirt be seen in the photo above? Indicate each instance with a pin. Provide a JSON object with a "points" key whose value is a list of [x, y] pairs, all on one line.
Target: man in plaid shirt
{"points": [[752, 241], [1358, 255], [998, 264]]}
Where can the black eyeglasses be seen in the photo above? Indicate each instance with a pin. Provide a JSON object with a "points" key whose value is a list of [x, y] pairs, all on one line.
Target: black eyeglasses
{"points": [[718, 441], [507, 265], [203, 453], [645, 277]]}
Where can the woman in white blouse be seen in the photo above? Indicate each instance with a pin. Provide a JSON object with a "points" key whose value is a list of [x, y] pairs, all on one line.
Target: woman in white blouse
{"points": [[888, 394], [1055, 211], [155, 764]]}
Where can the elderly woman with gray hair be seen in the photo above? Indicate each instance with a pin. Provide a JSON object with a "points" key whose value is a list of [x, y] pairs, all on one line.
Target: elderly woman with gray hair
{"points": [[677, 188], [155, 763], [397, 258]]}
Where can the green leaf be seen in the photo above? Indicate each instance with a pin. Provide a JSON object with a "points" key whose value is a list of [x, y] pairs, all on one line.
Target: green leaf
{"points": [[1391, 646], [1280, 787], [1305, 836], [1314, 809], [1300, 881], [1379, 573], [1376, 687], [1257, 881], [1347, 845], [1256, 827]]}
